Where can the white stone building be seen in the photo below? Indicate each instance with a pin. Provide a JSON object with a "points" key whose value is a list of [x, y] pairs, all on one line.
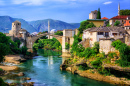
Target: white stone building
{"points": [[95, 33]]}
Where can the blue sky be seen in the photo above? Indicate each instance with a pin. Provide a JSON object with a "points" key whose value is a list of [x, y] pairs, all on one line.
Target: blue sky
{"points": [[71, 11]]}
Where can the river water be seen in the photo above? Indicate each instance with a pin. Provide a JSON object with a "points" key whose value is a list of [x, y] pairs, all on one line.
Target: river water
{"points": [[44, 70]]}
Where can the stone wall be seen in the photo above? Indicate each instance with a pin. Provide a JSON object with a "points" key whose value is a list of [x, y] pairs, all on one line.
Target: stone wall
{"points": [[105, 46], [85, 43]]}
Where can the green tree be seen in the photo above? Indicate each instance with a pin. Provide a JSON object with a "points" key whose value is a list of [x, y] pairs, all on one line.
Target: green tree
{"points": [[2, 83], [99, 14], [90, 25], [4, 45], [18, 42], [116, 23], [59, 33], [4, 50], [24, 50], [125, 12], [67, 46], [85, 25]]}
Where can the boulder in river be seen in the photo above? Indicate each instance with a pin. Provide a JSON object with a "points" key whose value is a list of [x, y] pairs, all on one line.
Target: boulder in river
{"points": [[21, 74]]}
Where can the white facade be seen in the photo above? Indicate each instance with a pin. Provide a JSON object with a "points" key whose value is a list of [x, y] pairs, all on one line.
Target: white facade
{"points": [[95, 36]]}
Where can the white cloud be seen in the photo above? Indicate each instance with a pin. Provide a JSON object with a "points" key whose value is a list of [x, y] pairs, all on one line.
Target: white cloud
{"points": [[40, 2], [28, 2], [109, 2]]}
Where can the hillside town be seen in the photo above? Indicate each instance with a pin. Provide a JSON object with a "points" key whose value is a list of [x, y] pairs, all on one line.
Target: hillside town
{"points": [[97, 50]]}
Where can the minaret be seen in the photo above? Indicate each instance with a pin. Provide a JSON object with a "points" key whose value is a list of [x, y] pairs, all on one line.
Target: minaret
{"points": [[119, 9], [48, 26]]}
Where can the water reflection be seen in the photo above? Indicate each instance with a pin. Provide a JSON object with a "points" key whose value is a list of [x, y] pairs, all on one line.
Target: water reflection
{"points": [[45, 71], [50, 60]]}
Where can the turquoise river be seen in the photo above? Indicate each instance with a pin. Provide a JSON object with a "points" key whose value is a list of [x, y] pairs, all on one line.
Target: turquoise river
{"points": [[44, 70]]}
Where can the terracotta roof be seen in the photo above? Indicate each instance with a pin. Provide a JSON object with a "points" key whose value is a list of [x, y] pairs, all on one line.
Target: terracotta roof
{"points": [[104, 18], [105, 29], [120, 17], [128, 18]]}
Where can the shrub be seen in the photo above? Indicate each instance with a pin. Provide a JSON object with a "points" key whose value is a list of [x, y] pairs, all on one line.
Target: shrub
{"points": [[83, 67], [116, 23], [24, 50], [2, 82], [67, 45], [104, 72], [96, 47], [111, 55], [87, 52], [96, 63], [59, 33], [1, 69], [117, 44]]}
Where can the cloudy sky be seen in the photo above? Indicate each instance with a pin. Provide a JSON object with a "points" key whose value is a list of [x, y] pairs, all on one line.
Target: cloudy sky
{"points": [[71, 11]]}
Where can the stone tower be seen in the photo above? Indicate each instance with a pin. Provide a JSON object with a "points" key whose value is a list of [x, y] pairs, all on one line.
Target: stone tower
{"points": [[48, 26], [16, 26], [93, 14], [119, 9]]}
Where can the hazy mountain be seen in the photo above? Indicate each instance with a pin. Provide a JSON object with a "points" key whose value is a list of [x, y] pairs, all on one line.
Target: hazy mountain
{"points": [[42, 25], [35, 26], [6, 24]]}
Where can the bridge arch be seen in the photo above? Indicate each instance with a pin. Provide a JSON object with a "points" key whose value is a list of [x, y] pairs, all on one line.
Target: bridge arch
{"points": [[31, 40]]}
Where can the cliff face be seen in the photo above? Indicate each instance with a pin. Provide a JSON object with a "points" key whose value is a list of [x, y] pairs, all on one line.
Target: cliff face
{"points": [[89, 71]]}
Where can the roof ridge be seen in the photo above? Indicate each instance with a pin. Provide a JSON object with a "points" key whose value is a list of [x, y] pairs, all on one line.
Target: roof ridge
{"points": [[108, 28]]}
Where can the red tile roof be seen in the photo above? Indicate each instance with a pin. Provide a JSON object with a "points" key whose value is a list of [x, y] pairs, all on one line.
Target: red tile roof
{"points": [[120, 17], [104, 18]]}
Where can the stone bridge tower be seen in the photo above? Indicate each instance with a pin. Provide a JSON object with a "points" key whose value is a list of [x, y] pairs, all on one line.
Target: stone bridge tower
{"points": [[16, 26]]}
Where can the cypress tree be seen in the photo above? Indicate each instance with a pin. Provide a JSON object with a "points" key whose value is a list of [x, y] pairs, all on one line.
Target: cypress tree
{"points": [[98, 14]]}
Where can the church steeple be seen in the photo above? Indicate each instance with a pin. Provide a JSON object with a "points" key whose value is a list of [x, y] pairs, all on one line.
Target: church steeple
{"points": [[119, 9]]}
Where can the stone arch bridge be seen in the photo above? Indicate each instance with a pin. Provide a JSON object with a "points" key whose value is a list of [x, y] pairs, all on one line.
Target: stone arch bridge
{"points": [[67, 37], [31, 40]]}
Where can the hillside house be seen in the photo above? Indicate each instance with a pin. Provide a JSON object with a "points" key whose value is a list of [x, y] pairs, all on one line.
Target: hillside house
{"points": [[127, 23], [121, 18], [97, 22], [95, 33]]}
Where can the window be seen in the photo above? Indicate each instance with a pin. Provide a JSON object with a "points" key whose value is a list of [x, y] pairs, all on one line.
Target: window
{"points": [[91, 33], [18, 23], [129, 21], [100, 33], [114, 34], [106, 34]]}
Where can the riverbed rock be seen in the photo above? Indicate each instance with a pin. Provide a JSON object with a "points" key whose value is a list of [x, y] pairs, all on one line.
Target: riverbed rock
{"points": [[21, 74], [28, 84], [27, 78]]}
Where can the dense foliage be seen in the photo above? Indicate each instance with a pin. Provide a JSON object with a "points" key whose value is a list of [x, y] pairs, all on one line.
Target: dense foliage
{"points": [[124, 53], [59, 33], [99, 14], [80, 51], [125, 12], [49, 44], [116, 23], [7, 46], [2, 83], [67, 45], [85, 25]]}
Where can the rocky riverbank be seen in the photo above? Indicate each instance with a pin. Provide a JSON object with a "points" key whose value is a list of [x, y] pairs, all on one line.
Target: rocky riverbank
{"points": [[94, 74], [9, 71]]}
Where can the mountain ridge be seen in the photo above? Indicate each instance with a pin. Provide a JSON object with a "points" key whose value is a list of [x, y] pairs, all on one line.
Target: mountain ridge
{"points": [[35, 26]]}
